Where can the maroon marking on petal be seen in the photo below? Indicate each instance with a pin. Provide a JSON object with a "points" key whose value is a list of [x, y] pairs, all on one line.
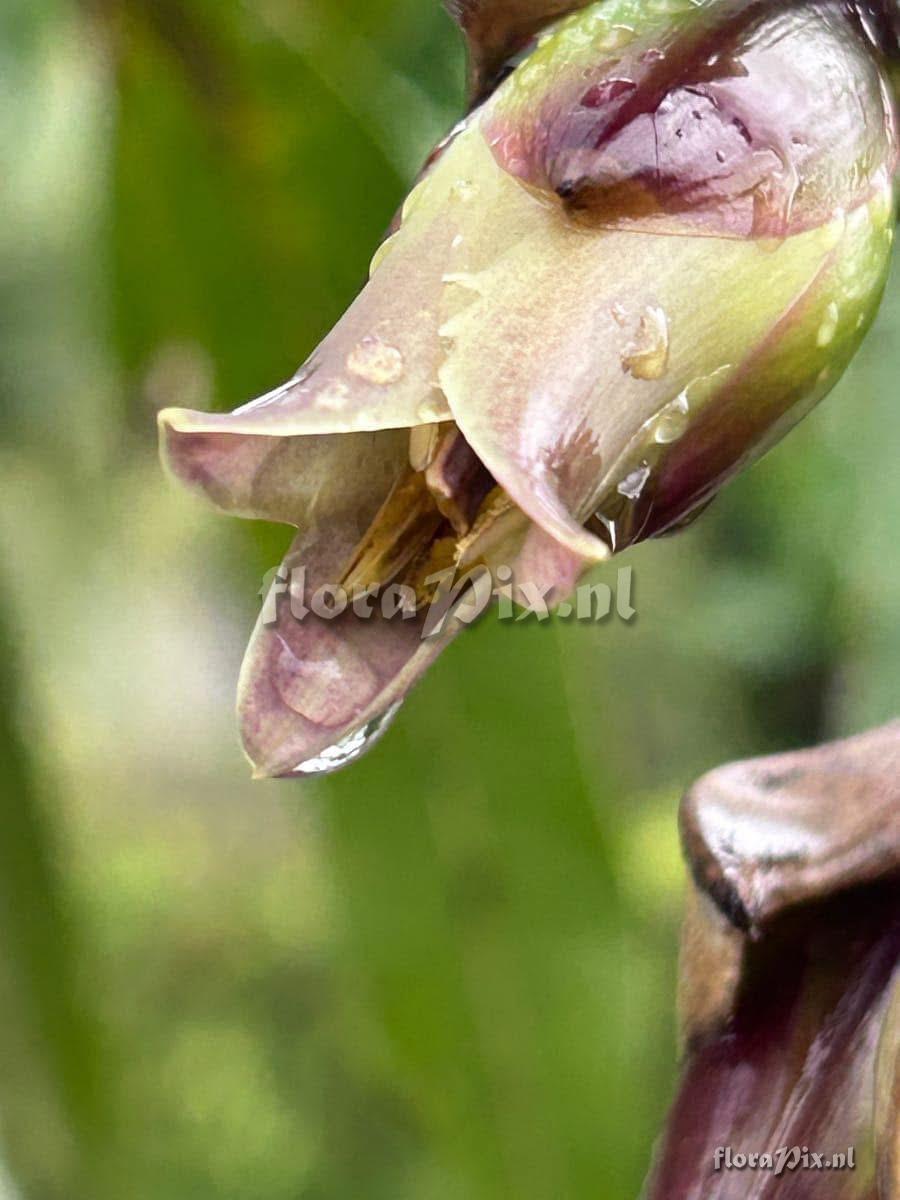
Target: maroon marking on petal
{"points": [[796, 1065], [718, 122], [602, 94]]}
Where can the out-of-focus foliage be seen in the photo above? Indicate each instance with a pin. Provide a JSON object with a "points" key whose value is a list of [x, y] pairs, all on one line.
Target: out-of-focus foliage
{"points": [[448, 972]]}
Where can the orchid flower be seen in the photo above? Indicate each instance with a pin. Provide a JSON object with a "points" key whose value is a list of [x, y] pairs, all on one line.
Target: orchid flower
{"points": [[655, 242], [790, 981]]}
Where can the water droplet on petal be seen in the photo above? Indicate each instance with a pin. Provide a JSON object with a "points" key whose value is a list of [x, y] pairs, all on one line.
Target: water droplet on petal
{"points": [[462, 279], [828, 328], [605, 93], [383, 251], [634, 483], [610, 530], [333, 397], [465, 190], [672, 422], [350, 748], [647, 355], [376, 362], [415, 198], [327, 686], [618, 37]]}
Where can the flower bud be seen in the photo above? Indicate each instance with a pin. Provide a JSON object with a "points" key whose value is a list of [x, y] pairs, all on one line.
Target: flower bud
{"points": [[652, 248]]}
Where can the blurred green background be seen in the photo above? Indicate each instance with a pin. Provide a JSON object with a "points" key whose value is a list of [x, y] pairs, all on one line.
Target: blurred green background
{"points": [[448, 973]]}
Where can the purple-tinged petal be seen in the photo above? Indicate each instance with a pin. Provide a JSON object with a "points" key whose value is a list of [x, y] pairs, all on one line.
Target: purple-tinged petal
{"points": [[577, 360], [548, 566], [311, 687], [295, 480], [725, 118], [791, 978], [768, 835]]}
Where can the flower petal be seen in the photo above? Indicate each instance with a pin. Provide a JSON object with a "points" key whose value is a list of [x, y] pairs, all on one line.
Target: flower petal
{"points": [[376, 369], [573, 355], [294, 480], [715, 116], [790, 976], [767, 835], [311, 686]]}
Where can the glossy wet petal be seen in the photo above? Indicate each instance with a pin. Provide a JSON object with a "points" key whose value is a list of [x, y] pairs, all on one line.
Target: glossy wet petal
{"points": [[309, 685], [295, 480], [791, 977], [772, 834], [375, 370], [608, 349], [714, 115]]}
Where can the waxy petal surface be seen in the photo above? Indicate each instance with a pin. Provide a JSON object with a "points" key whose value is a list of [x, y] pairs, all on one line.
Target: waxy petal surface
{"points": [[721, 116], [309, 686], [294, 480], [791, 976], [574, 358]]}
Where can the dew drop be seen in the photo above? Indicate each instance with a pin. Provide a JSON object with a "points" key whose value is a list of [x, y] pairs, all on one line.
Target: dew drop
{"points": [[463, 279], [647, 355], [376, 362], [828, 328], [610, 530], [350, 748], [634, 483], [605, 93], [617, 38], [465, 190], [382, 253], [334, 397], [672, 422], [327, 683], [415, 198]]}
